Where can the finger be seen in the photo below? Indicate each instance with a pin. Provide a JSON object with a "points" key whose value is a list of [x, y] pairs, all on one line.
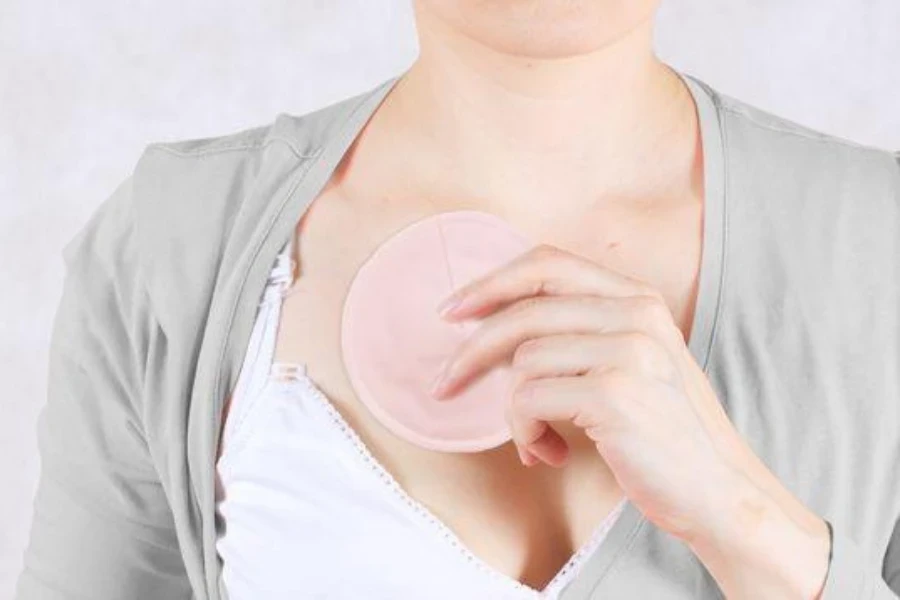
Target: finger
{"points": [[501, 333], [528, 459], [577, 354], [551, 448], [548, 447], [535, 404], [598, 403], [543, 270]]}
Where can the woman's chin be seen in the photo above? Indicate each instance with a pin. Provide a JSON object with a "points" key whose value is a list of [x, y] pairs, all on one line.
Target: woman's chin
{"points": [[545, 29]]}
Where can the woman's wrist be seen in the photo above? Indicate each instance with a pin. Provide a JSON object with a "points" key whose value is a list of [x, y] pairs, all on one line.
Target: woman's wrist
{"points": [[755, 550]]}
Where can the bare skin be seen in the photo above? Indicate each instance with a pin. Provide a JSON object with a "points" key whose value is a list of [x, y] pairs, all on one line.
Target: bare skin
{"points": [[576, 135]]}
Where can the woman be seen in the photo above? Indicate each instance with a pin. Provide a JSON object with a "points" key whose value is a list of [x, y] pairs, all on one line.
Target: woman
{"points": [[698, 413]]}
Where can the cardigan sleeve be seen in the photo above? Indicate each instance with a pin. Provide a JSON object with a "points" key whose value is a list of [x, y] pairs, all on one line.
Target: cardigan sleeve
{"points": [[852, 575], [101, 526]]}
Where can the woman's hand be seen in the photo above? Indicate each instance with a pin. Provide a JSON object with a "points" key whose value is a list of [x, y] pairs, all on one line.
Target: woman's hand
{"points": [[593, 347], [596, 348]]}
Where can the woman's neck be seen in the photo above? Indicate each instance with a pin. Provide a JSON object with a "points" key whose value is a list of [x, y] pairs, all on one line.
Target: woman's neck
{"points": [[611, 125]]}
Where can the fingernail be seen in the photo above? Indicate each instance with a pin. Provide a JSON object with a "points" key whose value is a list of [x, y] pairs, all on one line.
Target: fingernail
{"points": [[437, 387], [521, 454], [528, 459], [440, 382], [448, 305]]}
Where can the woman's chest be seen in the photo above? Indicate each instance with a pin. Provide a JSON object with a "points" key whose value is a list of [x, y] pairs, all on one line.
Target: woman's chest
{"points": [[523, 522]]}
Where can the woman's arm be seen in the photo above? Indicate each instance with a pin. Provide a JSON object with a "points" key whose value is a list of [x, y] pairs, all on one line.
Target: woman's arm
{"points": [[102, 528], [852, 573]]}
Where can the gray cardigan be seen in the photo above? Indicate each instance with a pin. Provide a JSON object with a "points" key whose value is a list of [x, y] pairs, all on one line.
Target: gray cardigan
{"points": [[797, 326]]}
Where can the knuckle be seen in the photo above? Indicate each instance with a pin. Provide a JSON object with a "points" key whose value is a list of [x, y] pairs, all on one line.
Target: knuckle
{"points": [[546, 258], [643, 351], [544, 251], [612, 382], [670, 372], [649, 355], [526, 307], [516, 400], [525, 353], [651, 292], [651, 312]]}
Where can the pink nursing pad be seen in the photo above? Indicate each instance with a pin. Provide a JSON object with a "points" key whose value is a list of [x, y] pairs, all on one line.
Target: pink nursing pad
{"points": [[394, 341]]}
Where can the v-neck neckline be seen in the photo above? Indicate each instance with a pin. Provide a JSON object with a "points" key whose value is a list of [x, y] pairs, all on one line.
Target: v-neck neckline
{"points": [[316, 170], [622, 536]]}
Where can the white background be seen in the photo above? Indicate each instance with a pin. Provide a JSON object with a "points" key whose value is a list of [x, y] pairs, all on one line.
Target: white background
{"points": [[85, 85]]}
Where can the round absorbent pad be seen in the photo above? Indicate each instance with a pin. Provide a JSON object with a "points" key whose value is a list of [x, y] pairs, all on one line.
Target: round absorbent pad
{"points": [[394, 341]]}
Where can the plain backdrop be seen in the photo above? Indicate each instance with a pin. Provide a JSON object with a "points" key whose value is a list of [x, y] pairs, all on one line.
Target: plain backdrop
{"points": [[85, 85]]}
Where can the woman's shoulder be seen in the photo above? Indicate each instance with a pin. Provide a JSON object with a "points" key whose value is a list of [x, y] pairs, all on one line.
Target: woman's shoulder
{"points": [[189, 208], [793, 180], [192, 184], [304, 133], [756, 136], [806, 208]]}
